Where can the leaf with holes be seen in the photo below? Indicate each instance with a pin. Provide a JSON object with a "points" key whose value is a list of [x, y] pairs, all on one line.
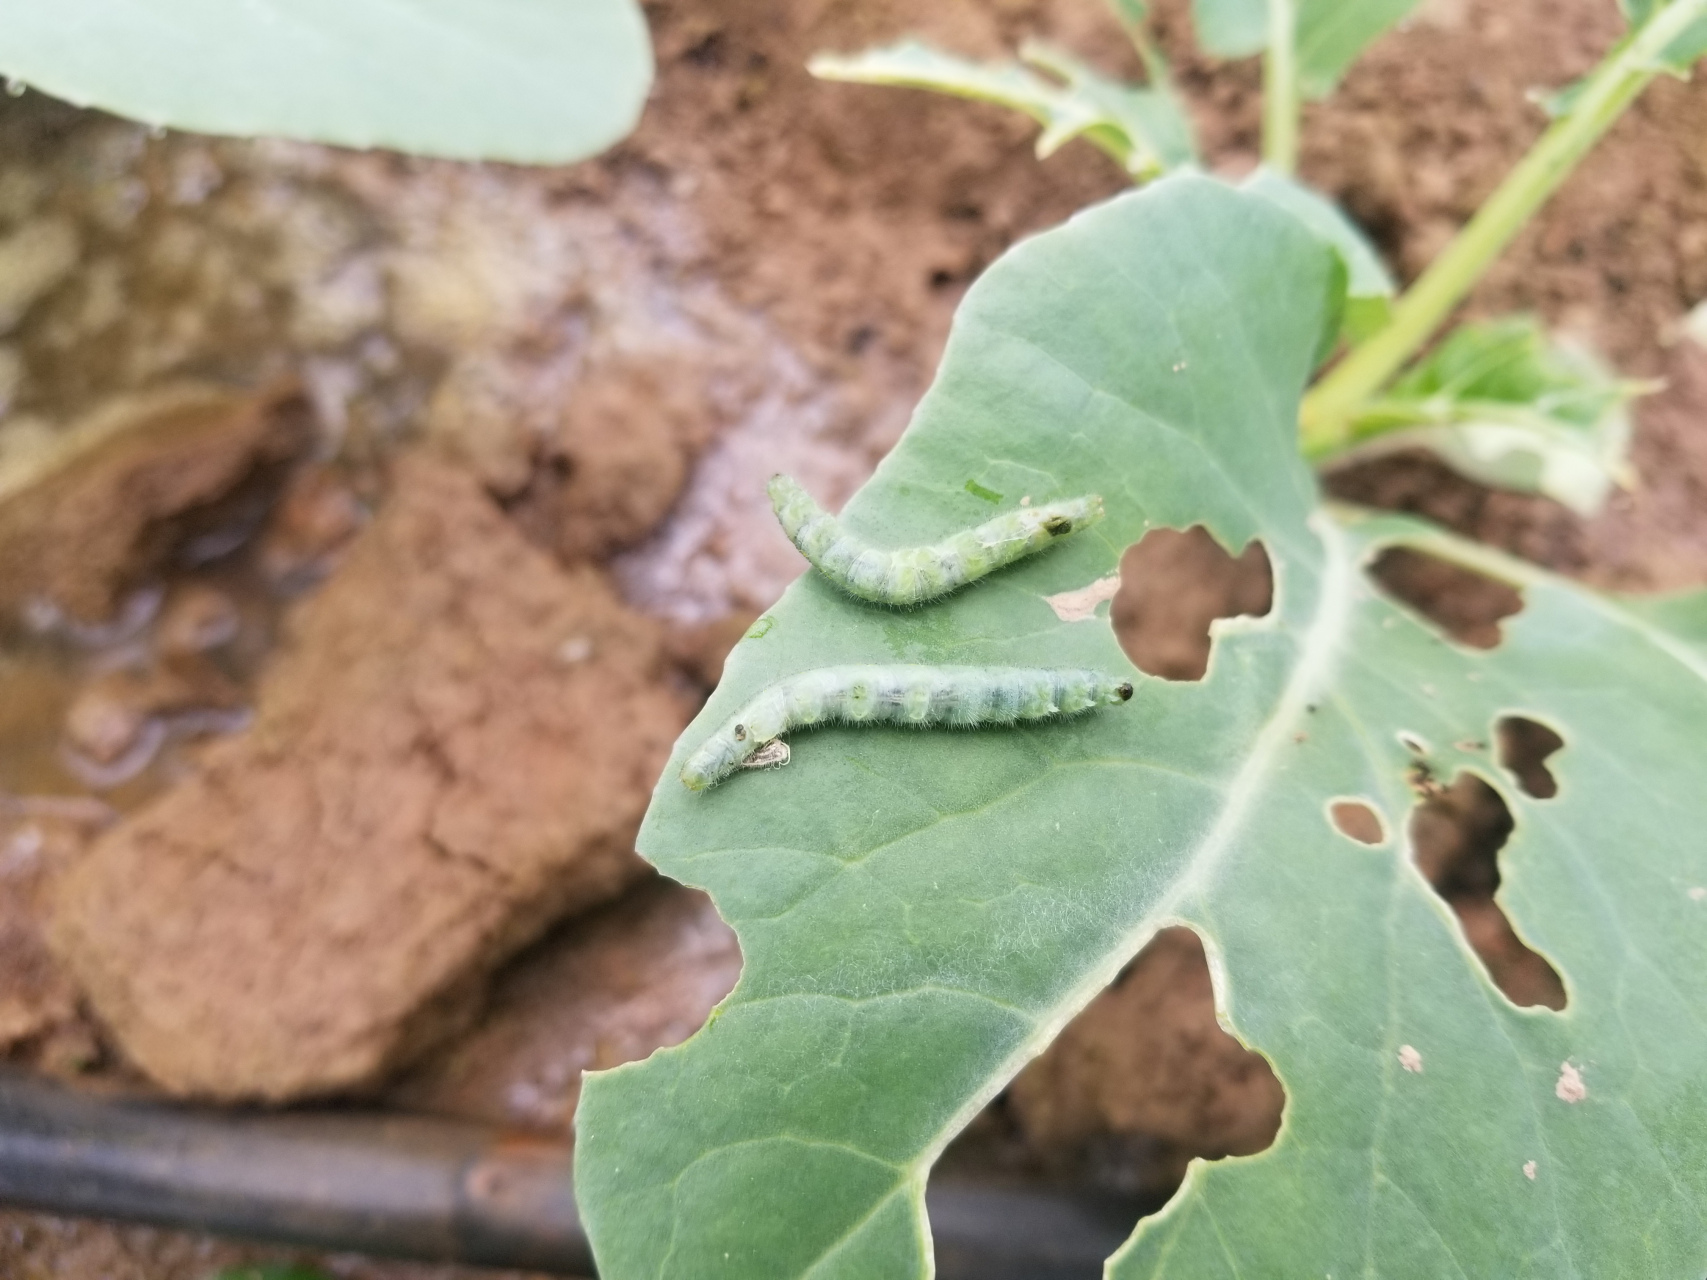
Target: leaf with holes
{"points": [[1146, 130], [921, 912], [1330, 33], [1505, 404], [468, 79]]}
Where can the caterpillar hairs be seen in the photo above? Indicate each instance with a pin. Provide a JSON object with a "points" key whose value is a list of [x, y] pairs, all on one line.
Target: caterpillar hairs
{"points": [[913, 575], [957, 697]]}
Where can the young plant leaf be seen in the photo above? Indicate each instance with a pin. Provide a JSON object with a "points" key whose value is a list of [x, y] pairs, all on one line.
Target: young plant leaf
{"points": [[1331, 33], [1504, 404], [1683, 52], [1145, 130], [537, 83], [920, 913]]}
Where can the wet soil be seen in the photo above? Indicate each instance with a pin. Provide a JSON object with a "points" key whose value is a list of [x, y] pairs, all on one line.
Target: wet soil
{"points": [[618, 353]]}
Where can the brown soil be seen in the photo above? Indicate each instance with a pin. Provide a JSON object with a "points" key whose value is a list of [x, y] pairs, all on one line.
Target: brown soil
{"points": [[422, 793], [761, 278], [97, 516], [607, 988]]}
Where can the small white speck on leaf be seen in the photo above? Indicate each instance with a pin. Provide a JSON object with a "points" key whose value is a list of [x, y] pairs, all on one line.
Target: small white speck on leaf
{"points": [[1428, 690], [575, 649], [1698, 894], [1180, 367], [1025, 501], [1529, 1170], [1410, 1059], [1081, 605], [1570, 1087]]}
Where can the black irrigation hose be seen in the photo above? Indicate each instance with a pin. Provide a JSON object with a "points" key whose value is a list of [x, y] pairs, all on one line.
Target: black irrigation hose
{"points": [[410, 1187], [392, 1185]]}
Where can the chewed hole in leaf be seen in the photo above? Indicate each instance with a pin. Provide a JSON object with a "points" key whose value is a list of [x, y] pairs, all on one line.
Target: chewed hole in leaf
{"points": [[1358, 821], [1140, 1082], [1456, 838], [1524, 747], [1468, 606], [1172, 586]]}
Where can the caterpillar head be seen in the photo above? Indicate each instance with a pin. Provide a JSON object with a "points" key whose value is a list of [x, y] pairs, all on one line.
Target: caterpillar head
{"points": [[1116, 692], [1062, 518]]}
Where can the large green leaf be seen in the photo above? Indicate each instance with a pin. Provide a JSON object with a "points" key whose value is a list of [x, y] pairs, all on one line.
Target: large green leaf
{"points": [[921, 912], [1330, 33], [536, 81]]}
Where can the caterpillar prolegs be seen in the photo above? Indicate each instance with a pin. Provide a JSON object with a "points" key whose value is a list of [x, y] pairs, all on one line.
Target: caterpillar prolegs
{"points": [[913, 575], [961, 697]]}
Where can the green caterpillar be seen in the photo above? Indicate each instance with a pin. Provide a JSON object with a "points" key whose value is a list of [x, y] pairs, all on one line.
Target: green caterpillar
{"points": [[913, 575], [959, 697]]}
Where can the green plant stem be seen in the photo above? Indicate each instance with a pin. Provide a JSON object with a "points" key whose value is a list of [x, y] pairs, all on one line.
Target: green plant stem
{"points": [[1280, 103], [1155, 69], [1329, 408]]}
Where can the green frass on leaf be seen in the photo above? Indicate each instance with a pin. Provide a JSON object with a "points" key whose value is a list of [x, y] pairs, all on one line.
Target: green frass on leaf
{"points": [[921, 913], [522, 80], [1144, 129], [1503, 403]]}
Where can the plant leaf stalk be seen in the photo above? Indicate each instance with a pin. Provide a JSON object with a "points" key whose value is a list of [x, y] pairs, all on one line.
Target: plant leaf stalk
{"points": [[1131, 20], [1328, 410], [1280, 100]]}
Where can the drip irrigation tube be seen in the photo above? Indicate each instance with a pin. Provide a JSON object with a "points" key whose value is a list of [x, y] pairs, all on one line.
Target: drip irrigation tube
{"points": [[433, 1190]]}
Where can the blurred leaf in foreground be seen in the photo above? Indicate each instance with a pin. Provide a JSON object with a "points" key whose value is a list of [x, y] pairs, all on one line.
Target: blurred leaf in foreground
{"points": [[536, 83]]}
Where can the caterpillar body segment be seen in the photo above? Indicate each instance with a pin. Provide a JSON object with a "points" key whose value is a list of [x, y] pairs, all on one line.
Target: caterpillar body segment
{"points": [[955, 697], [913, 575]]}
